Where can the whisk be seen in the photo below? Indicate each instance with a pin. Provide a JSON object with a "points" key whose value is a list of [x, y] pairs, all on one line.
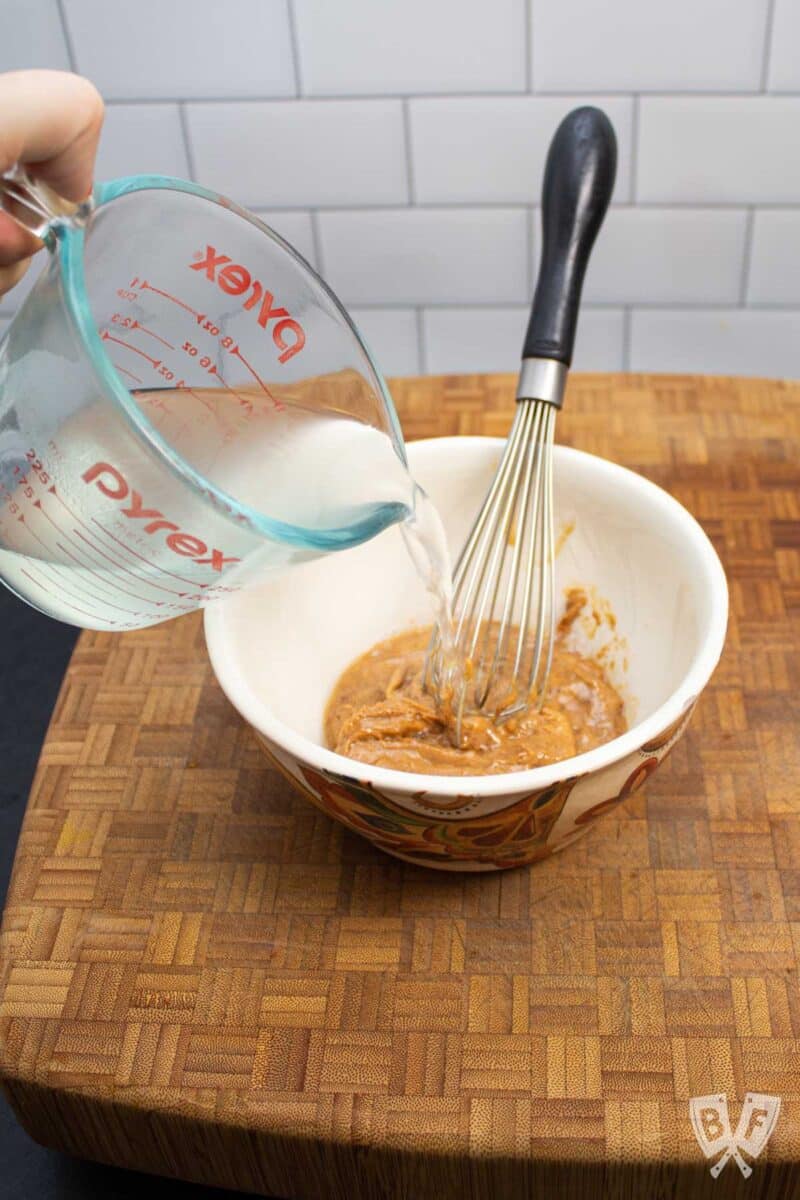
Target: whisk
{"points": [[504, 599]]}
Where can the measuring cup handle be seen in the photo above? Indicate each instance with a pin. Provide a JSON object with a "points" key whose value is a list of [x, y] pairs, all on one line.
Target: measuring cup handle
{"points": [[32, 204]]}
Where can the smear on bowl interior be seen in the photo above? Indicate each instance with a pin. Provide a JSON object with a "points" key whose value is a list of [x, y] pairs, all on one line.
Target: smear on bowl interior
{"points": [[380, 713]]}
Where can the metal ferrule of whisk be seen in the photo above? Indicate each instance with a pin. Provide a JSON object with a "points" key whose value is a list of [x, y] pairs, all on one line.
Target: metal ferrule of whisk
{"points": [[497, 659]]}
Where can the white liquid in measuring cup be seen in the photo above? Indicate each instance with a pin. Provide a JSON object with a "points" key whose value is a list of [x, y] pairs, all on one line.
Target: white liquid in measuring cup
{"points": [[87, 546], [314, 469]]}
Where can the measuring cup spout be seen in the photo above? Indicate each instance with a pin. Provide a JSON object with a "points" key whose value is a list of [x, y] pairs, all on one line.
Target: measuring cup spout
{"points": [[36, 206]]}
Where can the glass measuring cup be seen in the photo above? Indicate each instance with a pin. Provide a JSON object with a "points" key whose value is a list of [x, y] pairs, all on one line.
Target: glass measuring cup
{"points": [[184, 406]]}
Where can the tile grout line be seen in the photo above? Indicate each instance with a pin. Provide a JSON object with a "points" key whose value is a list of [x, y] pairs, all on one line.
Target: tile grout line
{"points": [[767, 51], [71, 55], [634, 188], [522, 307], [747, 255], [187, 141], [594, 95], [294, 42], [436, 206], [530, 243], [422, 342], [627, 322], [529, 46], [411, 185]]}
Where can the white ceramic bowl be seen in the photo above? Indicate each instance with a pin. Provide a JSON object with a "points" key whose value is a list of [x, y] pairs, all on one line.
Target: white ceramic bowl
{"points": [[277, 650]]}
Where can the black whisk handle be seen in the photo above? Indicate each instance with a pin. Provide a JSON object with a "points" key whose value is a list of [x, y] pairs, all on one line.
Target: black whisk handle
{"points": [[578, 182]]}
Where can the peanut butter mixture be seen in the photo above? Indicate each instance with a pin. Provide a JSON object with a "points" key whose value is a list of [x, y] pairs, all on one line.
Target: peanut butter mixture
{"points": [[379, 713]]}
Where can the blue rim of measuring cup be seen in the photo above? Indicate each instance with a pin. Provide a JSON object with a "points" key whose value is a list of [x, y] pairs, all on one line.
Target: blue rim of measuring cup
{"points": [[70, 242]]}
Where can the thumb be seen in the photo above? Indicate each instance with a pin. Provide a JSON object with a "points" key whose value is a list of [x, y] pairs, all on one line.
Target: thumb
{"points": [[51, 121]]}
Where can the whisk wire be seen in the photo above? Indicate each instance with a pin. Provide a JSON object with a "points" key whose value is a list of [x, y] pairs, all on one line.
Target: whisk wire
{"points": [[482, 535], [483, 532], [482, 621], [541, 551], [534, 536], [479, 560], [521, 513], [512, 536], [550, 558]]}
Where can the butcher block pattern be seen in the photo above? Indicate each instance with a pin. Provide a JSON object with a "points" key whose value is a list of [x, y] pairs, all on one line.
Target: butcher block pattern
{"points": [[203, 976]]}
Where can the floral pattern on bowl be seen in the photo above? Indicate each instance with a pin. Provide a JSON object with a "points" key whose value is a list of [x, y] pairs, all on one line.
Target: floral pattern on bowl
{"points": [[527, 828]]}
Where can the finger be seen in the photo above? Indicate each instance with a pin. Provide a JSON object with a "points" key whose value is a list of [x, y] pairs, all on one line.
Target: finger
{"points": [[52, 121], [9, 276], [16, 243]]}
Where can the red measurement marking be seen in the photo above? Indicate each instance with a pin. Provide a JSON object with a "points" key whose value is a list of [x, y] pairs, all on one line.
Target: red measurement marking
{"points": [[107, 337], [121, 567], [125, 371], [59, 582], [148, 287], [52, 491], [69, 554], [44, 587], [247, 405], [98, 550], [133, 595], [228, 388], [203, 401], [44, 545], [38, 504], [118, 591], [63, 503], [104, 594], [237, 352], [152, 566], [152, 333]]}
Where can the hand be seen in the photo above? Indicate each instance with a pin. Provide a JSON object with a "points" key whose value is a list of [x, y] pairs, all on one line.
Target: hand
{"points": [[50, 121]]}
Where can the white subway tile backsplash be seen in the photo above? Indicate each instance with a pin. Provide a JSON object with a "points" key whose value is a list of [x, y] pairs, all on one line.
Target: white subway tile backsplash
{"points": [[32, 36], [775, 258], [426, 256], [784, 59], [400, 148], [357, 47], [600, 340], [717, 342], [141, 138], [300, 153], [667, 256], [648, 45], [473, 339], [719, 149], [391, 334], [182, 49], [294, 227], [475, 149], [490, 339]]}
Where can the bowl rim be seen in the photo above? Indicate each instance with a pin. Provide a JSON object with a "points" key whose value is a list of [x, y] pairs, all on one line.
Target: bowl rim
{"points": [[681, 699]]}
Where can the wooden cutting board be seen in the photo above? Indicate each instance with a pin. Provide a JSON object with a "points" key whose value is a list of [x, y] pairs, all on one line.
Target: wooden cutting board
{"points": [[203, 976]]}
